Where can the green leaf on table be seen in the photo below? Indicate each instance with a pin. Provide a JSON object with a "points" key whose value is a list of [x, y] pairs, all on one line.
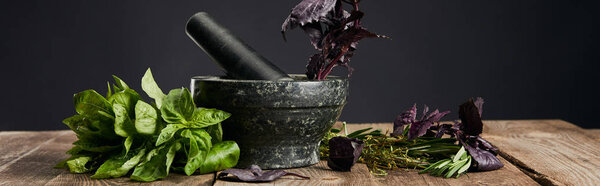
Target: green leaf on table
{"points": [[145, 118], [119, 165], [216, 132], [157, 163], [465, 167], [77, 165], [199, 146], [120, 83], [123, 125], [204, 117], [151, 88], [88, 103], [127, 98], [168, 132], [222, 156], [178, 106]]}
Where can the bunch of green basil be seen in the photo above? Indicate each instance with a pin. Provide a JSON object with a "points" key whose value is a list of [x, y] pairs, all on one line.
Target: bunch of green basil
{"points": [[120, 133]]}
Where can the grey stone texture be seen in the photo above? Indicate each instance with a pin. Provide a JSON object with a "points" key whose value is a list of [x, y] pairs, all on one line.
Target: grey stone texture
{"points": [[277, 124]]}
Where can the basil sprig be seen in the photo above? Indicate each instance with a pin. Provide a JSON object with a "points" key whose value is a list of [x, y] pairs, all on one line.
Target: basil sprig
{"points": [[120, 134]]}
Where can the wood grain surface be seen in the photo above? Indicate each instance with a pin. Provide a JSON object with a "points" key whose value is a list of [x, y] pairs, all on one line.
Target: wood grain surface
{"points": [[320, 174], [553, 152], [548, 152]]}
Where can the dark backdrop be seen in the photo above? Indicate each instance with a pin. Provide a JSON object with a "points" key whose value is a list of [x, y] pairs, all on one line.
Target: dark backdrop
{"points": [[530, 59]]}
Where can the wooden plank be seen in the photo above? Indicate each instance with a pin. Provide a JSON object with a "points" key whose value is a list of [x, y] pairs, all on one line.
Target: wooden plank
{"points": [[29, 157], [553, 152], [593, 133], [508, 175], [319, 174], [31, 162], [411, 176], [66, 178], [14, 144]]}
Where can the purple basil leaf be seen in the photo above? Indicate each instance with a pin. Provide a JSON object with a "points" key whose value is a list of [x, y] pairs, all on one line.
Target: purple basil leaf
{"points": [[471, 118], [352, 35], [306, 12], [256, 174], [486, 145], [419, 128], [444, 129], [315, 33], [343, 153], [479, 104], [425, 111], [484, 160], [407, 117], [315, 63]]}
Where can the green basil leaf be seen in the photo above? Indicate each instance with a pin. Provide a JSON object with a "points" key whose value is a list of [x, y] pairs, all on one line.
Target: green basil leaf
{"points": [[178, 106], [145, 118], [216, 132], [203, 117], [89, 103], [127, 98], [199, 146], [116, 89], [156, 164], [77, 165], [95, 146], [109, 92], [123, 125], [119, 165], [122, 85], [127, 144], [88, 128], [222, 156], [168, 132], [151, 88]]}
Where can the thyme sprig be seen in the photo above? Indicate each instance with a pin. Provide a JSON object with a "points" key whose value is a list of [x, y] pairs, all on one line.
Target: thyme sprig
{"points": [[383, 152]]}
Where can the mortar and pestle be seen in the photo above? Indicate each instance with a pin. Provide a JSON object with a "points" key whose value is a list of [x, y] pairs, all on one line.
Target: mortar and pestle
{"points": [[277, 119]]}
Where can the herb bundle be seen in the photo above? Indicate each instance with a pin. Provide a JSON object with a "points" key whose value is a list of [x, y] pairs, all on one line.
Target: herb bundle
{"points": [[333, 31], [419, 143], [121, 134]]}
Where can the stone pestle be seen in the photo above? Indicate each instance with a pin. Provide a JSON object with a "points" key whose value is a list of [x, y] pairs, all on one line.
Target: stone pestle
{"points": [[236, 58]]}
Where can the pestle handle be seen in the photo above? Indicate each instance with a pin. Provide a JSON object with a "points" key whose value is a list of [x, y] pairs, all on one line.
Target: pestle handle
{"points": [[238, 59]]}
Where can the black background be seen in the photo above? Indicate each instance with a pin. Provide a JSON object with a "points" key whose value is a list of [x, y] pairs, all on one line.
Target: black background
{"points": [[529, 59]]}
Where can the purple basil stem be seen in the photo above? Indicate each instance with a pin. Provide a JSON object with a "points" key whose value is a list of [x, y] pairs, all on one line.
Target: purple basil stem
{"points": [[256, 174], [343, 153]]}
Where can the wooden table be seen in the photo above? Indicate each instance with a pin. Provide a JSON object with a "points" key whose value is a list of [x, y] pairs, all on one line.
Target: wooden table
{"points": [[534, 152]]}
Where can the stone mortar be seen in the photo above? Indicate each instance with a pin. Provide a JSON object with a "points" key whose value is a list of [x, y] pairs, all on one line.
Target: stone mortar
{"points": [[277, 124]]}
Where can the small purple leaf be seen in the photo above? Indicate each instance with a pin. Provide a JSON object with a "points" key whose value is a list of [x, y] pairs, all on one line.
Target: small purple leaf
{"points": [[256, 174], [484, 160], [407, 117], [306, 12], [471, 118], [343, 153], [419, 128]]}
